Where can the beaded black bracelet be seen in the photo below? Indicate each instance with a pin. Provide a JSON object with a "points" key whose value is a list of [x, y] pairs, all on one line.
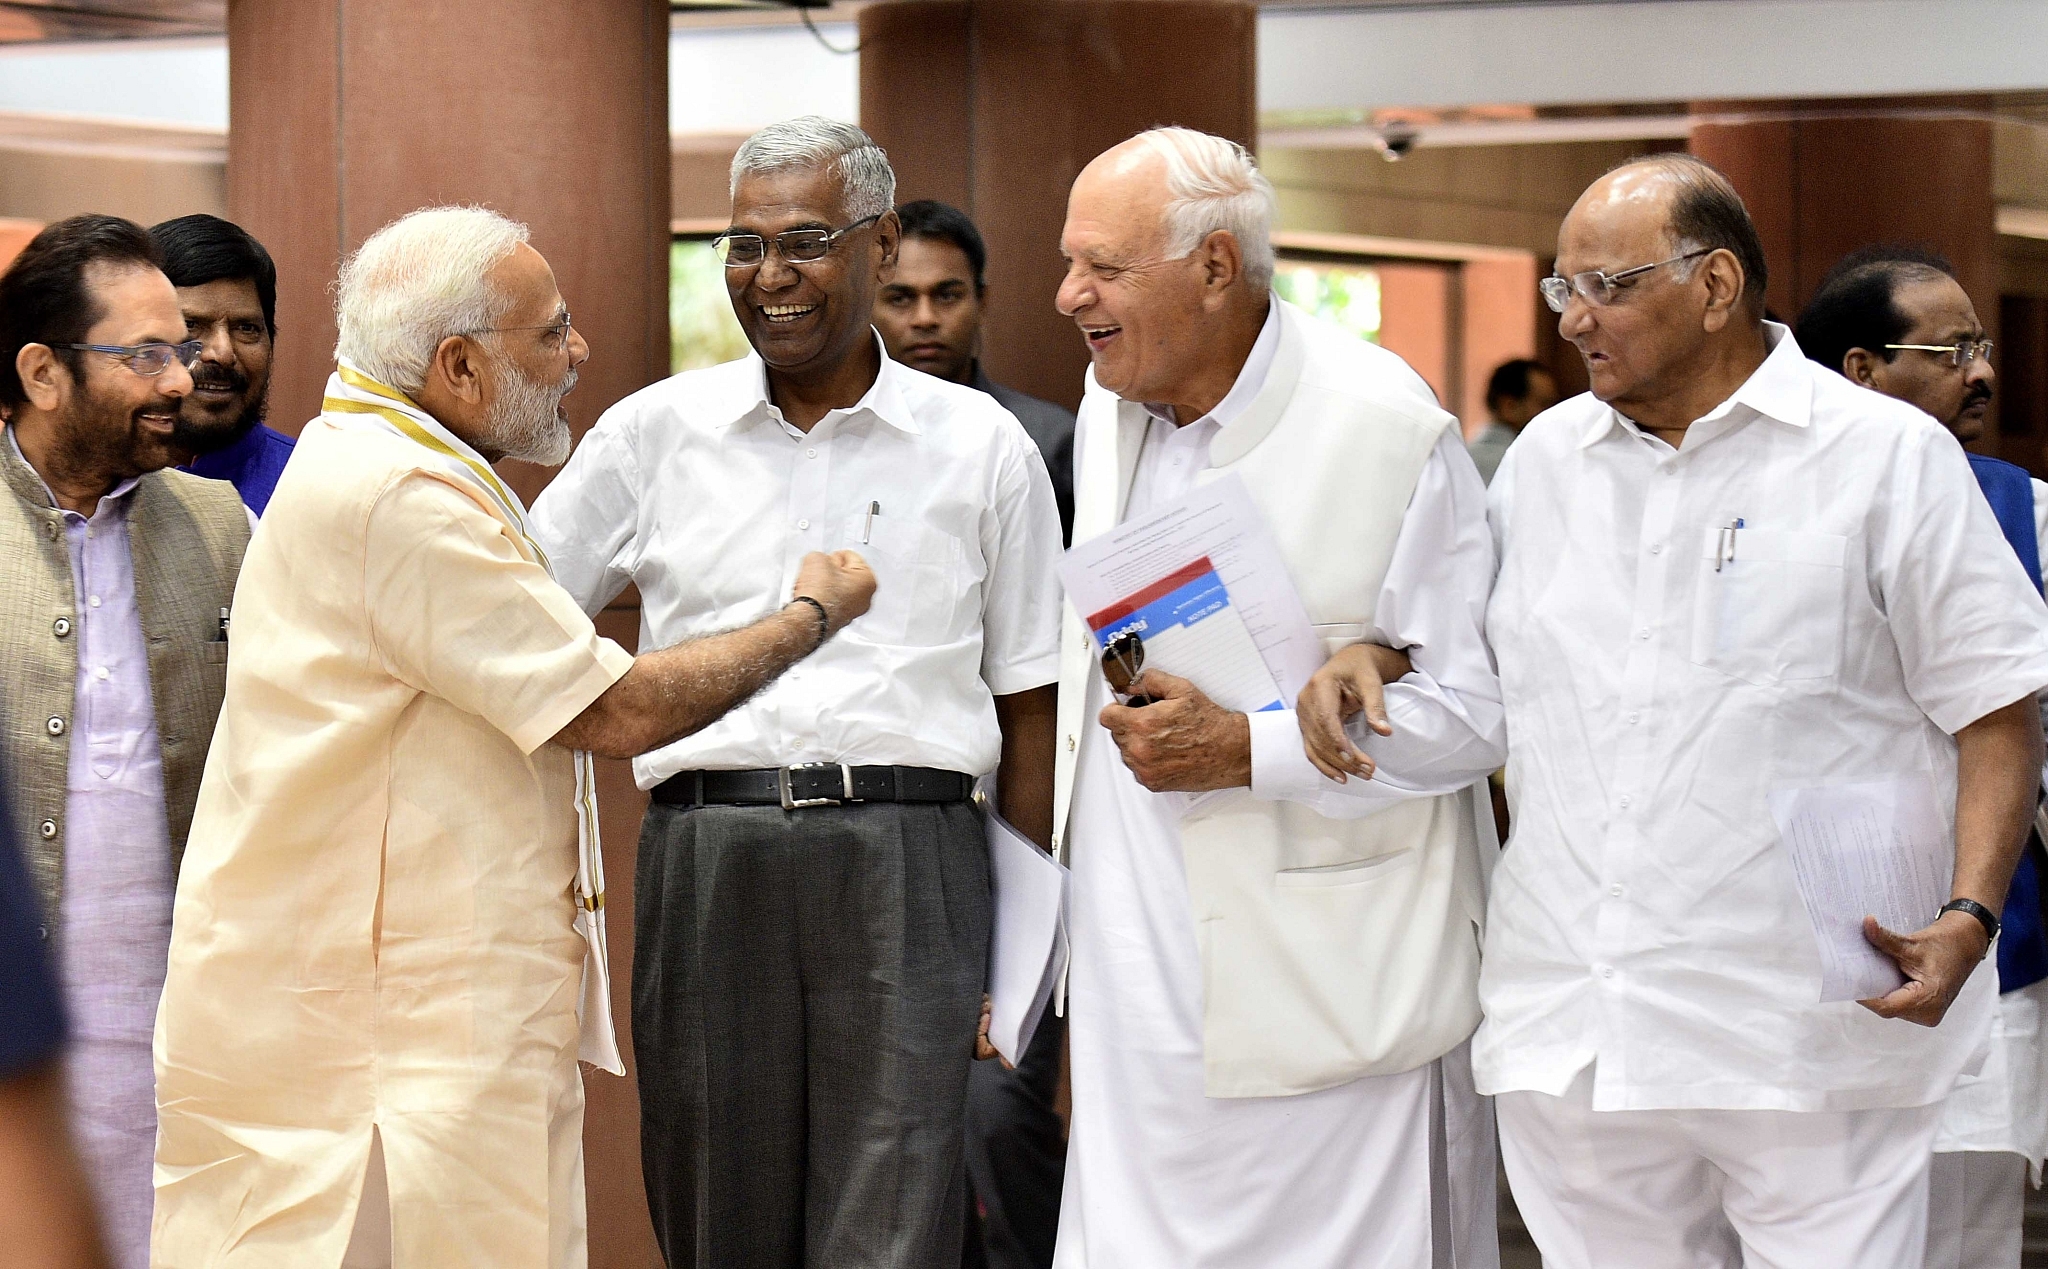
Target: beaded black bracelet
{"points": [[824, 618]]}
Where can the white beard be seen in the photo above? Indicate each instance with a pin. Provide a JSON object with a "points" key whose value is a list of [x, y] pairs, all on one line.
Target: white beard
{"points": [[523, 422]]}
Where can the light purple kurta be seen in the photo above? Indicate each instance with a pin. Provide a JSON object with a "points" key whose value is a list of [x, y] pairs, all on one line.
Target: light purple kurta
{"points": [[115, 918]]}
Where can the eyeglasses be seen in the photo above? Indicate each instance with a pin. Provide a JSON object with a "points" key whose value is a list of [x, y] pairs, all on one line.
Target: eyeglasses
{"points": [[559, 328], [1595, 287], [147, 360], [795, 246], [1959, 355], [1123, 660]]}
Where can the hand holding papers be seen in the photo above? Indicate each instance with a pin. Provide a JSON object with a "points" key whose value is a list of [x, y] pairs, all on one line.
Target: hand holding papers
{"points": [[1880, 849], [1203, 588], [1028, 945]]}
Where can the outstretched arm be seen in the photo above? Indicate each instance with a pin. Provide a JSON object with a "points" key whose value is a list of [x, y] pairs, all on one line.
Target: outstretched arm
{"points": [[682, 689]]}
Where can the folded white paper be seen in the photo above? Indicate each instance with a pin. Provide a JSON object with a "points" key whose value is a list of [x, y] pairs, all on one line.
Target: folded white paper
{"points": [[1883, 849], [1028, 944], [1204, 585]]}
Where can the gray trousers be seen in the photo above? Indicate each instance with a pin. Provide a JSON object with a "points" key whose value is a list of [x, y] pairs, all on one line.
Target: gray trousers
{"points": [[805, 991]]}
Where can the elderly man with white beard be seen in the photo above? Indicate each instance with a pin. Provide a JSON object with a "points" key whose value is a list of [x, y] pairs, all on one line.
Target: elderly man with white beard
{"points": [[390, 913], [1272, 987]]}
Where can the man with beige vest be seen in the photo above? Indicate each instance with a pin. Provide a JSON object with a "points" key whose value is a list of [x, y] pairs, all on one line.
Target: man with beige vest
{"points": [[1272, 986], [116, 576]]}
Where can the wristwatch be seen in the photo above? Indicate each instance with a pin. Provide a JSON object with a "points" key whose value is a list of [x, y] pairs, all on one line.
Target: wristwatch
{"points": [[1986, 916]]}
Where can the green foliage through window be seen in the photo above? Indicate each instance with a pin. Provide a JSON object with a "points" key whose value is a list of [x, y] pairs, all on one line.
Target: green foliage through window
{"points": [[701, 328], [1347, 294]]}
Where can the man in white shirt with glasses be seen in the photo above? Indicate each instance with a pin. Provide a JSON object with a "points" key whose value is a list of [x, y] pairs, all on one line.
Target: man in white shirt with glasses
{"points": [[1671, 1092], [812, 906]]}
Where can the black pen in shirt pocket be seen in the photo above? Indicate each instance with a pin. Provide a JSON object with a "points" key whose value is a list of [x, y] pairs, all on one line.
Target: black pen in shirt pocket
{"points": [[867, 527]]}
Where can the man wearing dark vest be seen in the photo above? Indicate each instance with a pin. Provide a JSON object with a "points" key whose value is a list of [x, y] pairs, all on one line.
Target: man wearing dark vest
{"points": [[116, 578], [1895, 320], [929, 314]]}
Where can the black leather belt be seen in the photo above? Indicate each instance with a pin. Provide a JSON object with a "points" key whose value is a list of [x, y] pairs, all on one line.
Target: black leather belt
{"points": [[813, 784]]}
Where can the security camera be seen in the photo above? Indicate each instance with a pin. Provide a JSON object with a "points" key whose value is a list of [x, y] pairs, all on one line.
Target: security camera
{"points": [[1396, 141]]}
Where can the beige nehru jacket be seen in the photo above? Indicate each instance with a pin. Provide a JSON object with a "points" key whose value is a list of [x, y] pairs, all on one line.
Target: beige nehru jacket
{"points": [[374, 926], [186, 535]]}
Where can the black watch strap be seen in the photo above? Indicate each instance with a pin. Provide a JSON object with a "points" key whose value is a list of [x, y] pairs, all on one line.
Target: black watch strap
{"points": [[1984, 915]]}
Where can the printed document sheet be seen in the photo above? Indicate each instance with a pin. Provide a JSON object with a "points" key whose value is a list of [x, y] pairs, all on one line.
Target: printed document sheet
{"points": [[1028, 944], [1203, 583], [1882, 849]]}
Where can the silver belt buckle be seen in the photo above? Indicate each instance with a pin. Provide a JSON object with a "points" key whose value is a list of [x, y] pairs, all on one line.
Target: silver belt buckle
{"points": [[790, 803]]}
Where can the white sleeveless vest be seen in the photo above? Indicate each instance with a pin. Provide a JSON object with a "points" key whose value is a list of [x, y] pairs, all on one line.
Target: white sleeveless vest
{"points": [[1369, 964]]}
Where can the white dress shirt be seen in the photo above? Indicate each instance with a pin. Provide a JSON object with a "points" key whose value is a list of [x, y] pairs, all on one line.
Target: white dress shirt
{"points": [[698, 491], [1644, 918]]}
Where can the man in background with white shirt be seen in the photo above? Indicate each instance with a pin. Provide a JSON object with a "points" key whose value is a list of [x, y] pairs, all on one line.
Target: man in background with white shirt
{"points": [[1725, 572], [1272, 987], [812, 903], [1894, 319]]}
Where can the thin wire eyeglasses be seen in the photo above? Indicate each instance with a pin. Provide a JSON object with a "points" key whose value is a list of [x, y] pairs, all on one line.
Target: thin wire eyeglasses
{"points": [[558, 328], [148, 360], [1959, 355], [1595, 287], [795, 246]]}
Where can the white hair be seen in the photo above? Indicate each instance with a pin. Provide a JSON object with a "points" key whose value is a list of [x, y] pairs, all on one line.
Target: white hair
{"points": [[1215, 184], [415, 282], [814, 141]]}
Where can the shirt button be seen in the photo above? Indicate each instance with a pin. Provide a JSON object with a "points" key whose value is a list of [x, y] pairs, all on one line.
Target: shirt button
{"points": [[61, 627], [1615, 891], [810, 453], [43, 933], [1625, 800], [1070, 744], [797, 744], [48, 828], [1634, 717], [1607, 971], [94, 601], [90, 534], [803, 524], [100, 673], [56, 728], [51, 528], [1644, 633], [1656, 548]]}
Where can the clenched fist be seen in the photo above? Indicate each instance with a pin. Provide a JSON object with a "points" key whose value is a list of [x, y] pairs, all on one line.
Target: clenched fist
{"points": [[842, 581]]}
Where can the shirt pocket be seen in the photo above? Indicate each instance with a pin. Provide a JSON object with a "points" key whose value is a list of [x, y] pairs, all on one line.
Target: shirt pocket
{"points": [[920, 577], [1773, 613]]}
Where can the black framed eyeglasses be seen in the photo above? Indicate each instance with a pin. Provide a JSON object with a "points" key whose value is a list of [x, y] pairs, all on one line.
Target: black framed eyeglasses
{"points": [[147, 360], [795, 246], [1595, 287], [1959, 355]]}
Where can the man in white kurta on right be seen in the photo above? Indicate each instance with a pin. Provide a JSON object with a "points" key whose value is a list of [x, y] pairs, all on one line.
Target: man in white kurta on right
{"points": [[1727, 572], [1272, 989]]}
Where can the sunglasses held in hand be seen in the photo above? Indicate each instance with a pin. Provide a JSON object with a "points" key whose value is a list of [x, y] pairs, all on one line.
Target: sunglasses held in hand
{"points": [[1123, 660]]}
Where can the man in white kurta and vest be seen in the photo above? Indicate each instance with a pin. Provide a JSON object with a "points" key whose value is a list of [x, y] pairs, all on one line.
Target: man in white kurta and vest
{"points": [[391, 913], [1272, 991], [1727, 572], [116, 575]]}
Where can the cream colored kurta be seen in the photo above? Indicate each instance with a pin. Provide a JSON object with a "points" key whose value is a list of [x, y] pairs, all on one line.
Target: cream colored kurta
{"points": [[373, 930]]}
